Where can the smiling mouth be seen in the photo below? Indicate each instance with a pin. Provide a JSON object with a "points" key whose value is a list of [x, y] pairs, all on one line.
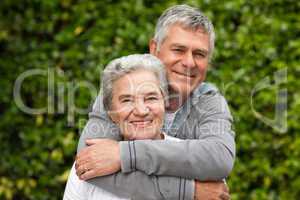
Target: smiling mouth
{"points": [[141, 124], [184, 75]]}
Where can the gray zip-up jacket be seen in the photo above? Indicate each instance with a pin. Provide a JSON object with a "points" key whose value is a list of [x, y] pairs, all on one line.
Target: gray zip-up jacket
{"points": [[160, 169]]}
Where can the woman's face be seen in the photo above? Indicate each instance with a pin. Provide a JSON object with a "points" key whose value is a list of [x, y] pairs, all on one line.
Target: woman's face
{"points": [[138, 105]]}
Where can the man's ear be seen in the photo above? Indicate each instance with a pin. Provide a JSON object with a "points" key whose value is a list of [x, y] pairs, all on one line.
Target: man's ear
{"points": [[152, 47]]}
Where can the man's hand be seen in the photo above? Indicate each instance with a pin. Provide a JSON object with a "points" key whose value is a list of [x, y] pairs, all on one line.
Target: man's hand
{"points": [[100, 158], [211, 191]]}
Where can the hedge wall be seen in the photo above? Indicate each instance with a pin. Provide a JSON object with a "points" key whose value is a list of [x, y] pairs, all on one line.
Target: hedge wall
{"points": [[66, 43]]}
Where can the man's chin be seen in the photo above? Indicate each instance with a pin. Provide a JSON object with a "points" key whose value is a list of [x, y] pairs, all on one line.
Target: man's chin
{"points": [[182, 93]]}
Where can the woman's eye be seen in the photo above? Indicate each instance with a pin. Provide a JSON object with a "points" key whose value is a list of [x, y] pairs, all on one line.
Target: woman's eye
{"points": [[125, 100], [153, 98]]}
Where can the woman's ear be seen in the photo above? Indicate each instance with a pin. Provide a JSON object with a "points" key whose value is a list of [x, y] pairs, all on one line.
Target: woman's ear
{"points": [[112, 116]]}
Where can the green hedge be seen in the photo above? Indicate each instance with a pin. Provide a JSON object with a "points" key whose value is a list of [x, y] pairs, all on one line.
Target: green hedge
{"points": [[72, 41]]}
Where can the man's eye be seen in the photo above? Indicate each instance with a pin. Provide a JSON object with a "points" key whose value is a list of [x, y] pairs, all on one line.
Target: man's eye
{"points": [[178, 50], [200, 55]]}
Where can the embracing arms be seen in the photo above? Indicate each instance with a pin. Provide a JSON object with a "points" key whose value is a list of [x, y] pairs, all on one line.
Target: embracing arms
{"points": [[206, 154]]}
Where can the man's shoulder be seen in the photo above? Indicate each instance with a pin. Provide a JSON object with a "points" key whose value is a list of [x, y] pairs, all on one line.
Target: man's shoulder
{"points": [[205, 88], [207, 96]]}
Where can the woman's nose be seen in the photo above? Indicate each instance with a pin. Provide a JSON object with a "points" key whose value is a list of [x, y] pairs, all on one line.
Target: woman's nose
{"points": [[141, 109]]}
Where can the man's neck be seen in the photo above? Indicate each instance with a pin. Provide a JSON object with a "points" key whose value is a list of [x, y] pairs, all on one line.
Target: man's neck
{"points": [[175, 101], [174, 104]]}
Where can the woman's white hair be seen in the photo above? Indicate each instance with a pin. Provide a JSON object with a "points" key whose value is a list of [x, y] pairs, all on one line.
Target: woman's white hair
{"points": [[119, 67], [187, 16]]}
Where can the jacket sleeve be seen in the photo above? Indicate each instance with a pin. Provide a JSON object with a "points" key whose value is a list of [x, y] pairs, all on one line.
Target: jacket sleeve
{"points": [[137, 184], [207, 153]]}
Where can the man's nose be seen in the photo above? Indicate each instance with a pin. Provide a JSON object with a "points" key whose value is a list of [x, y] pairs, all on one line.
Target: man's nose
{"points": [[141, 109], [188, 60]]}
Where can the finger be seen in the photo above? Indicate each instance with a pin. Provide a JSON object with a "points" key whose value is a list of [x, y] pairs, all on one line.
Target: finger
{"points": [[83, 155], [225, 188], [80, 163], [88, 175], [93, 141], [82, 169], [82, 159], [79, 171], [82, 151], [225, 196]]}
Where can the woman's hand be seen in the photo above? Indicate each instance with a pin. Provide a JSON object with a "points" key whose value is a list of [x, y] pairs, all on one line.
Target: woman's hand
{"points": [[100, 158]]}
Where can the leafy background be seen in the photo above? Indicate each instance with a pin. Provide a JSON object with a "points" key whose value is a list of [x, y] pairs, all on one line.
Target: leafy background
{"points": [[74, 39]]}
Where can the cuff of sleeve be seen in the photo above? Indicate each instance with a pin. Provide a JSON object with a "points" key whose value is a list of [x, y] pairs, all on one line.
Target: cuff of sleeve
{"points": [[128, 156], [176, 188], [190, 189], [186, 188]]}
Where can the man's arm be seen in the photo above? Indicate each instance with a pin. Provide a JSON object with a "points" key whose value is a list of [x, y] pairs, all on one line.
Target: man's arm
{"points": [[208, 148], [164, 187], [159, 188], [207, 153], [136, 185], [97, 126]]}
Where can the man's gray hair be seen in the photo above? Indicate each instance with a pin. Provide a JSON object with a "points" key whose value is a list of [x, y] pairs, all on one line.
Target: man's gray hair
{"points": [[188, 17], [119, 67]]}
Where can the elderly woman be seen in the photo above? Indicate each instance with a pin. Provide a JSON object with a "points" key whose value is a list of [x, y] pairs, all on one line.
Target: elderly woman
{"points": [[133, 90]]}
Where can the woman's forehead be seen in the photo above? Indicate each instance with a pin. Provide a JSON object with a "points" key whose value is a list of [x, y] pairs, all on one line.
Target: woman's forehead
{"points": [[138, 83], [144, 89], [141, 79]]}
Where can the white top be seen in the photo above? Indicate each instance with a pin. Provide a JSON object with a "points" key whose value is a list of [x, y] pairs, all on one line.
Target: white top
{"points": [[77, 189]]}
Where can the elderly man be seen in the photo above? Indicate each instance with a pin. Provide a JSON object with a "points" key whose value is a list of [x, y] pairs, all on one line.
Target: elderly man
{"points": [[196, 113]]}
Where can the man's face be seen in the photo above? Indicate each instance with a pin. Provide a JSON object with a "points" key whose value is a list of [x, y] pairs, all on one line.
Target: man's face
{"points": [[185, 53], [138, 105]]}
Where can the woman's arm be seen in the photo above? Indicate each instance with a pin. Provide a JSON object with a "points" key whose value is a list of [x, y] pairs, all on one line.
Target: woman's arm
{"points": [[75, 189]]}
